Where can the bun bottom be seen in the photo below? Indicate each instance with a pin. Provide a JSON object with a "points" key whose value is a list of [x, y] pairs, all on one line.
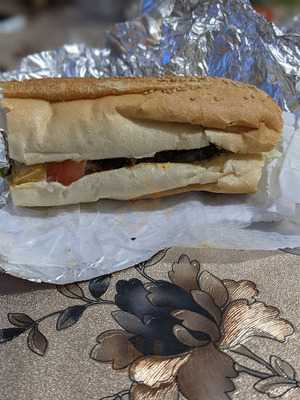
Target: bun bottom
{"points": [[228, 173]]}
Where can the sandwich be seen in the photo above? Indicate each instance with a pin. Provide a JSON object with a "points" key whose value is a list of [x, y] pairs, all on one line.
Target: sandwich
{"points": [[79, 140]]}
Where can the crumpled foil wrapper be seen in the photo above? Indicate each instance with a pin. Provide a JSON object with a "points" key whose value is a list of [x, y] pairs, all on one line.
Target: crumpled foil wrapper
{"points": [[216, 37], [4, 159], [4, 167], [4, 162], [184, 37]]}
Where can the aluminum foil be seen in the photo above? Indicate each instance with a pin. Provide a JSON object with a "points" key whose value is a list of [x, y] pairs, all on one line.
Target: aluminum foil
{"points": [[4, 162], [4, 158], [216, 37]]}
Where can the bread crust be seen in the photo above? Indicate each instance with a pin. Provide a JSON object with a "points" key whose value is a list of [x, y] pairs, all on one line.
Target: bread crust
{"points": [[89, 119], [223, 174], [237, 117], [211, 102]]}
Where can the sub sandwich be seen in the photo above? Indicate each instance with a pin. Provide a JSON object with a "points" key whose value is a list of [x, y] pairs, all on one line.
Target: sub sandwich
{"points": [[85, 139]]}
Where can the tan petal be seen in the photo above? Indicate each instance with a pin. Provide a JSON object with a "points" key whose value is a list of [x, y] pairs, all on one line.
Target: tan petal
{"points": [[114, 346], [240, 290], [185, 272], [242, 321], [214, 287], [207, 375], [198, 322], [205, 301], [186, 338], [185, 259], [143, 392], [155, 371]]}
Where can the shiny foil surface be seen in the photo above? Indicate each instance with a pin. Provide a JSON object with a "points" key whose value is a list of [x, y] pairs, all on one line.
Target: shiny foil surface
{"points": [[187, 37], [4, 162], [4, 159]]}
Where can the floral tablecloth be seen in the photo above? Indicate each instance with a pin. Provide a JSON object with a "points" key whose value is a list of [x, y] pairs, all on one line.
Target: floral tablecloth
{"points": [[187, 324]]}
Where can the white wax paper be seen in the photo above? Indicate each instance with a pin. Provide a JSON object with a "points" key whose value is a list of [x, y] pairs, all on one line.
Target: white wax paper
{"points": [[62, 245]]}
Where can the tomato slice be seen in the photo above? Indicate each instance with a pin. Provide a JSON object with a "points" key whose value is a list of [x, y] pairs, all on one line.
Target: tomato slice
{"points": [[65, 172]]}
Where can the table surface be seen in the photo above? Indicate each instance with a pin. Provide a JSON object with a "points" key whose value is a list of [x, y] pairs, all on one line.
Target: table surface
{"points": [[63, 341]]}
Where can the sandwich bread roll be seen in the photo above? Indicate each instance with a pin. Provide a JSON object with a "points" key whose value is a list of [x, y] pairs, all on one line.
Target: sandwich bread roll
{"points": [[135, 138]]}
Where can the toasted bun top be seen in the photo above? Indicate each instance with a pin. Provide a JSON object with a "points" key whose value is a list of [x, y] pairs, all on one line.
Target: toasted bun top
{"points": [[210, 102]]}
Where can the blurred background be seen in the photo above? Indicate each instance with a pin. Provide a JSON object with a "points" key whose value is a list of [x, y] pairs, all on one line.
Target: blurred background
{"points": [[277, 10], [29, 26]]}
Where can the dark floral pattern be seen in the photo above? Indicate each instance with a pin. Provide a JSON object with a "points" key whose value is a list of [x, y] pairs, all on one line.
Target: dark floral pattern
{"points": [[178, 338], [66, 318]]}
